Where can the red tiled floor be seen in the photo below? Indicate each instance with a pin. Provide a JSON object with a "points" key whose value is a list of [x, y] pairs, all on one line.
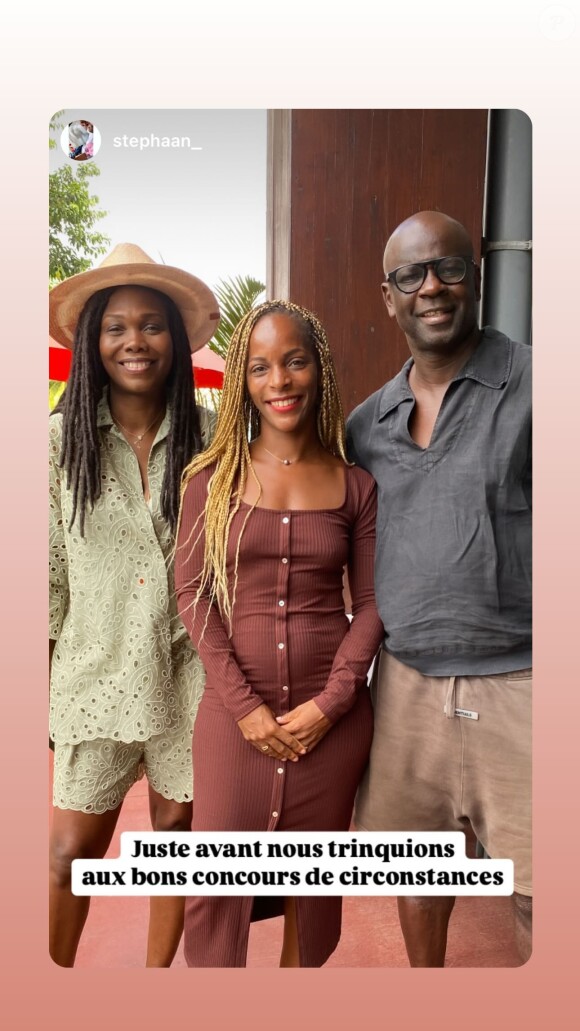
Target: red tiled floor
{"points": [[480, 932]]}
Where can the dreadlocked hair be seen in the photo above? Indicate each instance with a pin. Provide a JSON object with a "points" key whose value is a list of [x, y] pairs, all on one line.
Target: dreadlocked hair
{"points": [[238, 424], [80, 455]]}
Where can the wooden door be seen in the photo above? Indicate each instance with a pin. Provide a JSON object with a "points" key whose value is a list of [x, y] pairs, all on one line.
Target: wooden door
{"points": [[339, 182]]}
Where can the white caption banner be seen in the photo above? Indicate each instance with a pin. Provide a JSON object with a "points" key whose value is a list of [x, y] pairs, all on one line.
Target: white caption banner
{"points": [[329, 863]]}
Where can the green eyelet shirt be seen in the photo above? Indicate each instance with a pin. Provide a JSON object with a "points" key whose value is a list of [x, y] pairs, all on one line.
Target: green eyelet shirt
{"points": [[123, 665]]}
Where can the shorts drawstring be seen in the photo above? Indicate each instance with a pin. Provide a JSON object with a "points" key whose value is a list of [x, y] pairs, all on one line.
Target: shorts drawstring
{"points": [[449, 708]]}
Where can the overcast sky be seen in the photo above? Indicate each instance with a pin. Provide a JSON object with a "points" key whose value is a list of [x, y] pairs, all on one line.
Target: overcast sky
{"points": [[200, 210]]}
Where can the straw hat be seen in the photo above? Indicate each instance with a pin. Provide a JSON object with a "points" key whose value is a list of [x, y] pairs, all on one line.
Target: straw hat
{"points": [[128, 265]]}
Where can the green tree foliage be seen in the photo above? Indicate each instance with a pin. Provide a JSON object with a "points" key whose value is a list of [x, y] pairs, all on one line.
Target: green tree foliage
{"points": [[236, 296], [55, 126], [73, 243], [73, 213]]}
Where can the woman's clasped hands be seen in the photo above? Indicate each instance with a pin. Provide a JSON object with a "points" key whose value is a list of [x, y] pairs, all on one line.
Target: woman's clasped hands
{"points": [[285, 737]]}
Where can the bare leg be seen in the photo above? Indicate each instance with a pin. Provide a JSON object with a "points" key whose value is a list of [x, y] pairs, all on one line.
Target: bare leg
{"points": [[523, 925], [165, 911], [290, 956], [424, 921], [73, 835]]}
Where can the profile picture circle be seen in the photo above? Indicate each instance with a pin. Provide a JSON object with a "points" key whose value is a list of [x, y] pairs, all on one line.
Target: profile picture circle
{"points": [[80, 140]]}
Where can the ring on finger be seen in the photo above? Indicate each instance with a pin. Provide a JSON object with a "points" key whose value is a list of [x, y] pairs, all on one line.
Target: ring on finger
{"points": [[265, 748]]}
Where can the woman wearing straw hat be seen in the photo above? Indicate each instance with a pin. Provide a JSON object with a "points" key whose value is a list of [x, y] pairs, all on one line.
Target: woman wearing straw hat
{"points": [[285, 723], [125, 680]]}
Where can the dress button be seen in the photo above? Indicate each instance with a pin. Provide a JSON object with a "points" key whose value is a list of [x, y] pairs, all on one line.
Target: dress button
{"points": [[280, 769], [284, 687], [285, 519], [281, 604], [274, 813], [281, 645], [285, 561]]}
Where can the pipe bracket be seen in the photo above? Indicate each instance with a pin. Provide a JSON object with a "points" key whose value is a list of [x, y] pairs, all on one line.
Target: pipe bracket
{"points": [[504, 245]]}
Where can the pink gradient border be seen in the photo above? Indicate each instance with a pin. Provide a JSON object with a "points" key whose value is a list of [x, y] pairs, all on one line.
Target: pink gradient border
{"points": [[498, 61]]}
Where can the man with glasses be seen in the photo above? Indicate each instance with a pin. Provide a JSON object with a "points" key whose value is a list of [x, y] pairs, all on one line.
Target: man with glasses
{"points": [[448, 441]]}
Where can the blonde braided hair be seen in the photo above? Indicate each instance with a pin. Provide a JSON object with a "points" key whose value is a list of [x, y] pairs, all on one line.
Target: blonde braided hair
{"points": [[238, 423]]}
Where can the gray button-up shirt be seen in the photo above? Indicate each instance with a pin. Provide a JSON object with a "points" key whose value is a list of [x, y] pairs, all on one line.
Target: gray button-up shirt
{"points": [[453, 559]]}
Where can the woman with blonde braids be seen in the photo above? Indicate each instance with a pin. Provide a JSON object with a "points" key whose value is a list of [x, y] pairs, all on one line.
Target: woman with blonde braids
{"points": [[271, 514]]}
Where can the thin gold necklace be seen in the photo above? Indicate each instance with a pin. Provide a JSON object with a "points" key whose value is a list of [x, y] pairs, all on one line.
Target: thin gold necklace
{"points": [[284, 461], [138, 436]]}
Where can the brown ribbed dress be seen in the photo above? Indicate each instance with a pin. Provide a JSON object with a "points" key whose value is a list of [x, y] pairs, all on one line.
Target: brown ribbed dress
{"points": [[291, 642]]}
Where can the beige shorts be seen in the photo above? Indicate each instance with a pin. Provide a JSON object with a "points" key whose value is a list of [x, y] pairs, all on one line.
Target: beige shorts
{"points": [[94, 776], [433, 770]]}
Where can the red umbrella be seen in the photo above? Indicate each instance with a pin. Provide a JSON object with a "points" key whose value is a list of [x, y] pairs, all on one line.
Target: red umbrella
{"points": [[208, 366]]}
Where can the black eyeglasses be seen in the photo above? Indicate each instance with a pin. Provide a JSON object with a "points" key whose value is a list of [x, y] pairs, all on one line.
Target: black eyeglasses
{"points": [[449, 270]]}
